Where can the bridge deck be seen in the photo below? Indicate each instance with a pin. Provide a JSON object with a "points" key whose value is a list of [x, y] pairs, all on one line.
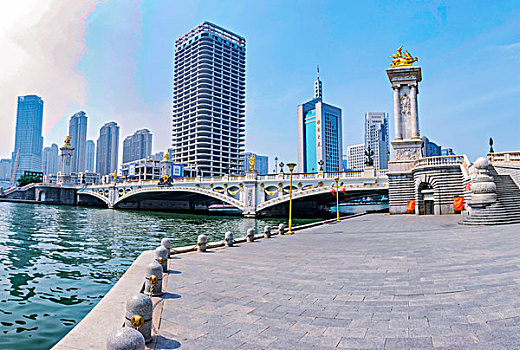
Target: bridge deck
{"points": [[371, 282]]}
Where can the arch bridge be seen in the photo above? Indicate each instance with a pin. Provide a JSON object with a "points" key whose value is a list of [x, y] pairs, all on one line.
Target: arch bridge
{"points": [[252, 194]]}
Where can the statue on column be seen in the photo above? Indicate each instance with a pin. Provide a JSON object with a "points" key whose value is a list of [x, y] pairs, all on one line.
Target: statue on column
{"points": [[402, 60]]}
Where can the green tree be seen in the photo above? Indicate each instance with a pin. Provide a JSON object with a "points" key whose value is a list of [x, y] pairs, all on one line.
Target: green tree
{"points": [[25, 180]]}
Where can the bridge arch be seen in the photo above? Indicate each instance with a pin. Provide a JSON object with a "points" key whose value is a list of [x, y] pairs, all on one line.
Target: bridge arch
{"points": [[96, 195], [195, 190]]}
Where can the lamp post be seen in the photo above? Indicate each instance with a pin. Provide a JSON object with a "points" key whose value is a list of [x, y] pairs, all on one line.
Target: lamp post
{"points": [[276, 165], [291, 168], [281, 167], [337, 198], [320, 163]]}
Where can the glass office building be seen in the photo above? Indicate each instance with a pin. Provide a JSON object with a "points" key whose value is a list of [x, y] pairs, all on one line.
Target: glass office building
{"points": [[78, 131], [319, 134], [28, 144], [376, 136], [208, 123]]}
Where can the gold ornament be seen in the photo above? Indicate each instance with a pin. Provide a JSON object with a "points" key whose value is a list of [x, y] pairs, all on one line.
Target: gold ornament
{"points": [[402, 60]]}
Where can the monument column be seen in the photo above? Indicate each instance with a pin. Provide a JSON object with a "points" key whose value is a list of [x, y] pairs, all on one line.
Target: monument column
{"points": [[66, 157], [397, 115], [413, 107]]}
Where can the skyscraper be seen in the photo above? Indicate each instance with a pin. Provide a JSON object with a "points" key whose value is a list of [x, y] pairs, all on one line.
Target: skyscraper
{"points": [[5, 170], [51, 160], [78, 131], [107, 149], [90, 164], [319, 134], [208, 128], [376, 136], [27, 154], [356, 157], [137, 146], [430, 148]]}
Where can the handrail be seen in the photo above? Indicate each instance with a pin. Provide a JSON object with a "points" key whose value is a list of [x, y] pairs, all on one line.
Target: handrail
{"points": [[504, 156], [440, 160]]}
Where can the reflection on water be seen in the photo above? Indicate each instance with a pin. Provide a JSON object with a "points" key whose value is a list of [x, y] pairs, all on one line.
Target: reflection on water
{"points": [[57, 262]]}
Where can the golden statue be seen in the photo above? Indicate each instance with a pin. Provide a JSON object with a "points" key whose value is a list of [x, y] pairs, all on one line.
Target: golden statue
{"points": [[402, 60], [67, 141], [166, 156], [252, 163]]}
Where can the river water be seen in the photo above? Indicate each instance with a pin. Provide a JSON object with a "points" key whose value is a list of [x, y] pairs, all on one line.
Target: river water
{"points": [[57, 262]]}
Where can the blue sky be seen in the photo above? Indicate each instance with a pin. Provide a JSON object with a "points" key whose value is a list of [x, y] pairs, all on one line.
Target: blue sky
{"points": [[469, 52]]}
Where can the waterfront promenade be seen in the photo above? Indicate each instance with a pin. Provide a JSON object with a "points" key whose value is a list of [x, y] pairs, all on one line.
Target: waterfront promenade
{"points": [[375, 281]]}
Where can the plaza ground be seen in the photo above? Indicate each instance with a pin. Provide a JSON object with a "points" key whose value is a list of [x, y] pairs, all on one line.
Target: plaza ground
{"points": [[375, 281]]}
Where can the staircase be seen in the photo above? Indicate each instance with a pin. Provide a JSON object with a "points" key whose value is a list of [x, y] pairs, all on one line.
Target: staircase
{"points": [[507, 208]]}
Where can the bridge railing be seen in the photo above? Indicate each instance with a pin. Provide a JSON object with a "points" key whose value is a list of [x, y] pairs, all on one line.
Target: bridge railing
{"points": [[442, 160], [504, 157]]}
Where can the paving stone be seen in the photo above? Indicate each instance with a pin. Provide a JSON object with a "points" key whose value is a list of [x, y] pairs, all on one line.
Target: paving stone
{"points": [[368, 282]]}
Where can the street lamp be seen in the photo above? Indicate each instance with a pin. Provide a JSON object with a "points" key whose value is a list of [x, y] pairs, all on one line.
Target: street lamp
{"points": [[281, 167], [337, 198], [275, 165], [320, 163], [291, 168]]}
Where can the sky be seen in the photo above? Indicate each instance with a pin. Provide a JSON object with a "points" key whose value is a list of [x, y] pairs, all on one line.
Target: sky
{"points": [[114, 60]]}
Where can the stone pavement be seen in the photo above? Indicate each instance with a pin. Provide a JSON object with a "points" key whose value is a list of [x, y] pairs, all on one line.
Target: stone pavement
{"points": [[374, 282]]}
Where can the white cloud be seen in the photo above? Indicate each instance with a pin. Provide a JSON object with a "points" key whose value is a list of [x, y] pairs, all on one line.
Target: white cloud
{"points": [[41, 42]]}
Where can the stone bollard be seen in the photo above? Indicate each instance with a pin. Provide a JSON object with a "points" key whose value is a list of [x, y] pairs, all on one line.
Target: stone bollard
{"points": [[281, 229], [202, 242], [250, 235], [267, 231], [161, 255], [139, 311], [125, 338], [167, 243], [153, 279], [228, 240]]}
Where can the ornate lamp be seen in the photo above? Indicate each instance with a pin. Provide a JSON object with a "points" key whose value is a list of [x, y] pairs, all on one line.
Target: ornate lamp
{"points": [[291, 167]]}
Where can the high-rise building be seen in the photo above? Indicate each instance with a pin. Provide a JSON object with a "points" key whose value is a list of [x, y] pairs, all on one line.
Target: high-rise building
{"points": [[447, 152], [356, 157], [27, 154], [5, 170], [319, 134], [90, 157], [78, 131], [430, 149], [107, 149], [137, 146], [376, 136], [261, 163], [51, 161], [208, 128]]}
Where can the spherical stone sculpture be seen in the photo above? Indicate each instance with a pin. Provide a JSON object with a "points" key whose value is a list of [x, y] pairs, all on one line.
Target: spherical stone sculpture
{"points": [[125, 338], [153, 269], [228, 239], [141, 305], [483, 186], [161, 255], [281, 229], [250, 235], [202, 242]]}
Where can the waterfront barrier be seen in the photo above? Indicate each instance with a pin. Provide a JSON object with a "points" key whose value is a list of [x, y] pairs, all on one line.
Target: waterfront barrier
{"points": [[126, 338], [228, 238], [167, 243], [139, 311], [153, 279], [250, 235], [281, 229], [161, 255], [202, 241], [267, 231]]}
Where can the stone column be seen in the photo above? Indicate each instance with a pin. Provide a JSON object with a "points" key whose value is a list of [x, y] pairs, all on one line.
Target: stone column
{"points": [[397, 115], [413, 110]]}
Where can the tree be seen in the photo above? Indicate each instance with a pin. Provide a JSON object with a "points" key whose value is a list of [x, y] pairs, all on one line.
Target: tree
{"points": [[26, 179]]}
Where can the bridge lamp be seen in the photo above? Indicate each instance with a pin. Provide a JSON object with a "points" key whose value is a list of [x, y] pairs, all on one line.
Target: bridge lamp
{"points": [[291, 167], [337, 198]]}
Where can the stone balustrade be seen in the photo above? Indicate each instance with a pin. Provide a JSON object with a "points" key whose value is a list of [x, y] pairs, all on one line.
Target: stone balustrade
{"points": [[513, 157], [442, 160]]}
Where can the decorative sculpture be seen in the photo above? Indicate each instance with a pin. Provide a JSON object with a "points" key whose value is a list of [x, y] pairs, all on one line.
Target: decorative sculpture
{"points": [[252, 163], [166, 156], [67, 141], [402, 60], [369, 153], [491, 150]]}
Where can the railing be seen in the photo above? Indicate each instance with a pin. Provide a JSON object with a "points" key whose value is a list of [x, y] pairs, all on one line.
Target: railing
{"points": [[443, 160], [504, 156]]}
